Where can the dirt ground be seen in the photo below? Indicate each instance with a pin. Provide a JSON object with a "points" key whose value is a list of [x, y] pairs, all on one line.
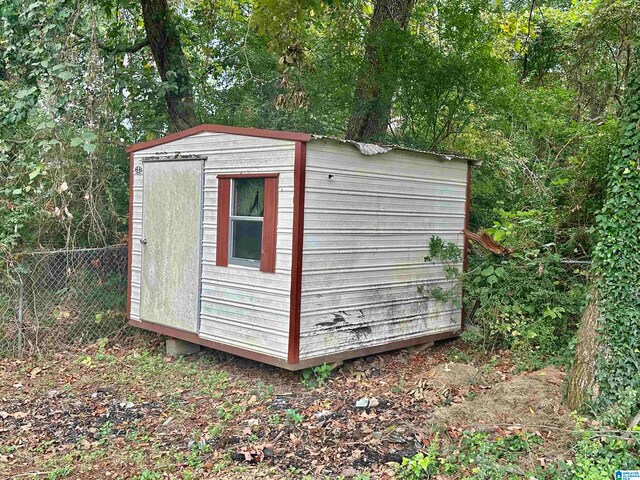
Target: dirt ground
{"points": [[121, 412]]}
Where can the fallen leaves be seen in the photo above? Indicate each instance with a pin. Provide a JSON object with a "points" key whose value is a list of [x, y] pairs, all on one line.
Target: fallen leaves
{"points": [[361, 421]]}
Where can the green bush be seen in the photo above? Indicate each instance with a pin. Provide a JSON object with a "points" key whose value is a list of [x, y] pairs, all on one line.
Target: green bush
{"points": [[528, 301]]}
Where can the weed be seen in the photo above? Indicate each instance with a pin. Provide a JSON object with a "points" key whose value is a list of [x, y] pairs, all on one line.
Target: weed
{"points": [[148, 475], [456, 355], [275, 419], [104, 431], [317, 376], [420, 465], [229, 410], [264, 391], [216, 382], [215, 431], [60, 472], [293, 417]]}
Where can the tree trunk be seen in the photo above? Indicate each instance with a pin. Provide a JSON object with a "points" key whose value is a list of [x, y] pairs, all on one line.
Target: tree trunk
{"points": [[582, 377], [374, 93], [173, 68]]}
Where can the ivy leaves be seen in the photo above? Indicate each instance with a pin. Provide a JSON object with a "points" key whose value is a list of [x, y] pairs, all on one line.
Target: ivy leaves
{"points": [[617, 262]]}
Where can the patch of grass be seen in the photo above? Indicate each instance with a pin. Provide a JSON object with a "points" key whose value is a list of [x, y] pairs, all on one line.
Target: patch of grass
{"points": [[457, 355], [229, 410], [215, 382], [60, 472], [148, 475]]}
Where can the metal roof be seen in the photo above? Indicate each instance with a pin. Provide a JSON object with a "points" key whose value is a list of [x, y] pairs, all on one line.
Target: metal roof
{"points": [[375, 149], [364, 148]]}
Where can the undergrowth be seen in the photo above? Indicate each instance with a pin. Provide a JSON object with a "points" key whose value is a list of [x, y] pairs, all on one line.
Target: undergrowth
{"points": [[480, 456], [529, 301]]}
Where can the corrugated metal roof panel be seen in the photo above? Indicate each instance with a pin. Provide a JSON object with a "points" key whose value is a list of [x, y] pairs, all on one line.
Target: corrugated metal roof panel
{"points": [[375, 149]]}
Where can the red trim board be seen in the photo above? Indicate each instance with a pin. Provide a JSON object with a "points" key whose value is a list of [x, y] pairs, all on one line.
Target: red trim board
{"points": [[251, 132], [299, 172], [269, 225], [248, 175], [222, 228]]}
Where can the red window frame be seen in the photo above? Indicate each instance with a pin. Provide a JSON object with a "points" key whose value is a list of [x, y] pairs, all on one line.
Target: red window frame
{"points": [[269, 219]]}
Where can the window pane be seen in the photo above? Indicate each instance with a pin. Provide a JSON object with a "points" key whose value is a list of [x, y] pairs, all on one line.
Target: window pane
{"points": [[248, 197], [246, 239]]}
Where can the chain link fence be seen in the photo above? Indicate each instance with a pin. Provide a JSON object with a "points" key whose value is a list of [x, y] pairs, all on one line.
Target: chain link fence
{"points": [[60, 299]]}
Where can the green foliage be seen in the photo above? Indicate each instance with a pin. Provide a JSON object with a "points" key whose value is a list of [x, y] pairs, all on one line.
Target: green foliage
{"points": [[528, 301], [229, 410], [317, 376], [148, 475], [479, 456], [533, 95], [618, 414], [448, 254], [617, 262], [60, 472], [293, 416], [420, 465], [599, 456]]}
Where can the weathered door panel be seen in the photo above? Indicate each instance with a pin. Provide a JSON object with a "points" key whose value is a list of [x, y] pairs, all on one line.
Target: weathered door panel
{"points": [[171, 226]]}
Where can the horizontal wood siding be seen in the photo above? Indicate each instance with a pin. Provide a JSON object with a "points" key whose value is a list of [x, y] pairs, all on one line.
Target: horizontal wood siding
{"points": [[368, 221], [241, 306]]}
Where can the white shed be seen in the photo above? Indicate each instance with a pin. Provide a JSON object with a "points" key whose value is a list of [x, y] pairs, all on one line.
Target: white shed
{"points": [[288, 248]]}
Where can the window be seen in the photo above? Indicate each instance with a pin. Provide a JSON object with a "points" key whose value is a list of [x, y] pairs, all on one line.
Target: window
{"points": [[247, 214]]}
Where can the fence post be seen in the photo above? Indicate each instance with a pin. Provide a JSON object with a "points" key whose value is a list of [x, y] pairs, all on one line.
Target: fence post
{"points": [[20, 314]]}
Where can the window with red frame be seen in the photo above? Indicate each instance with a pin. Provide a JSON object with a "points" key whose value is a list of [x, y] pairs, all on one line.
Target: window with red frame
{"points": [[247, 220]]}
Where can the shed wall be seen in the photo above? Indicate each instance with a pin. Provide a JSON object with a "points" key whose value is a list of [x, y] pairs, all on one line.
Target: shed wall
{"points": [[368, 221], [240, 306]]}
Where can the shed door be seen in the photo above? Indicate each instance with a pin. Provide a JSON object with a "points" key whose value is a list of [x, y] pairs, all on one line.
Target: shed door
{"points": [[171, 232]]}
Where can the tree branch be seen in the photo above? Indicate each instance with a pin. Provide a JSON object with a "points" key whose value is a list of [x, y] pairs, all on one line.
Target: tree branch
{"points": [[133, 48], [139, 45]]}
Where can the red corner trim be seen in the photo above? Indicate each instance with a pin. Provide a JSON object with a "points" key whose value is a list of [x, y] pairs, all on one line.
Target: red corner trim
{"points": [[222, 238], [299, 171], [269, 225], [130, 236], [252, 132]]}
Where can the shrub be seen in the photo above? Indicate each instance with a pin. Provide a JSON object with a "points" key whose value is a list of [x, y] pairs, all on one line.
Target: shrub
{"points": [[527, 302]]}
